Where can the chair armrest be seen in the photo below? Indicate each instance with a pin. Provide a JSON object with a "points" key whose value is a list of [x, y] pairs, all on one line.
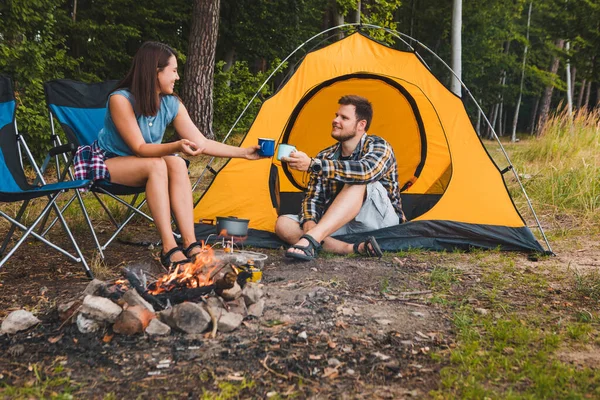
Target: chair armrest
{"points": [[65, 148]]}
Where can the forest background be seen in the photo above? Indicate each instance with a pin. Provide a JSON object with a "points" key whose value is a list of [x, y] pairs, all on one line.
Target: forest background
{"points": [[92, 40]]}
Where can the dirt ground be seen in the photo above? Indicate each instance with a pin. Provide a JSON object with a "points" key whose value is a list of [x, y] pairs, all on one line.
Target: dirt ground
{"points": [[337, 327]]}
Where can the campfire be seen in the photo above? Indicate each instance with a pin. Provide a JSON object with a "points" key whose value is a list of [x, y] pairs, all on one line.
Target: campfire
{"points": [[219, 288]]}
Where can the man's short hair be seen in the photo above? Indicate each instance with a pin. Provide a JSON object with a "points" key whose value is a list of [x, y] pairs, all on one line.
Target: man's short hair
{"points": [[364, 109]]}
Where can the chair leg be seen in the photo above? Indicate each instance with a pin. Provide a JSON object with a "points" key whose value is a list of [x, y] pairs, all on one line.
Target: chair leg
{"points": [[88, 271], [12, 229], [30, 231], [89, 223], [110, 216]]}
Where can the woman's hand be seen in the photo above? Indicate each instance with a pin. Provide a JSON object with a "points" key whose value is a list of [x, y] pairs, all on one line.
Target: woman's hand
{"points": [[188, 147], [252, 153]]}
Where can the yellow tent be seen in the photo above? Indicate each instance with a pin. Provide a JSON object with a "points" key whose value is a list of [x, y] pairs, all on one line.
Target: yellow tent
{"points": [[452, 192]]}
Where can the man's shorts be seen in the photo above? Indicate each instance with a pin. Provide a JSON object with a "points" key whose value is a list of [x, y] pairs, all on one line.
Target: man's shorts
{"points": [[376, 212]]}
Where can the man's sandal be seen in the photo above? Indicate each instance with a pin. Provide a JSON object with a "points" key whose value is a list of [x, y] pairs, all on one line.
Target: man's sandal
{"points": [[165, 259], [309, 252], [371, 248]]}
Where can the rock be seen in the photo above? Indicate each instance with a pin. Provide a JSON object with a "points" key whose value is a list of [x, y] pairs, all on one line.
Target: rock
{"points": [[482, 311], [381, 356], [133, 298], [256, 309], [66, 310], [18, 320], [333, 362], [100, 308], [418, 314], [317, 292], [350, 371], [157, 328], [232, 293], [238, 306], [87, 325], [187, 317], [94, 288], [229, 321], [384, 322], [303, 335], [133, 320], [252, 293]]}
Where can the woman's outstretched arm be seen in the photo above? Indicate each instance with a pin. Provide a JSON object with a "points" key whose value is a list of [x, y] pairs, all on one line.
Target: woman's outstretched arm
{"points": [[188, 130]]}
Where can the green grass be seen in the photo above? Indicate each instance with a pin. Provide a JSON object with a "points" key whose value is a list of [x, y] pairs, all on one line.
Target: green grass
{"points": [[588, 284], [51, 384], [560, 171], [511, 352], [228, 390]]}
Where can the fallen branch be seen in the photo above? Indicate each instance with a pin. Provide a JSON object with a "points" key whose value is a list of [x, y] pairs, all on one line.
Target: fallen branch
{"points": [[264, 364], [415, 293]]}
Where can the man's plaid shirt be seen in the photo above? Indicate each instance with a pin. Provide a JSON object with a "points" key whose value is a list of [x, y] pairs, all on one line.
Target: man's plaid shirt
{"points": [[373, 160]]}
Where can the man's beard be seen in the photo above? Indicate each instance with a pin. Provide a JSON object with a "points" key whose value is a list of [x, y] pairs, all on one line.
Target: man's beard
{"points": [[344, 137]]}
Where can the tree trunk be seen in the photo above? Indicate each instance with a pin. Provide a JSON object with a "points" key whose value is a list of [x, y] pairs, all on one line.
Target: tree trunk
{"points": [[533, 116], [547, 96], [478, 126], [229, 59], [513, 137], [501, 119], [588, 90], [580, 97], [457, 47], [569, 83], [200, 65], [336, 18]]}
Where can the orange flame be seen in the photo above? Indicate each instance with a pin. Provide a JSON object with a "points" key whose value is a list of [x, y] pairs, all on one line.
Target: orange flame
{"points": [[190, 275]]}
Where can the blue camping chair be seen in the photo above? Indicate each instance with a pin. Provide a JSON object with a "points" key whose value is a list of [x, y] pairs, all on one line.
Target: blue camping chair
{"points": [[80, 109], [15, 188]]}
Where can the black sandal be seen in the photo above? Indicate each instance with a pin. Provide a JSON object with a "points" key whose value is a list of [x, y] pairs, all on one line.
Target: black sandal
{"points": [[371, 248], [310, 251], [165, 259], [191, 247]]}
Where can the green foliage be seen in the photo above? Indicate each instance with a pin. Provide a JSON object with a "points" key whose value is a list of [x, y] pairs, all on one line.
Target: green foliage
{"points": [[32, 52], [260, 31], [233, 89]]}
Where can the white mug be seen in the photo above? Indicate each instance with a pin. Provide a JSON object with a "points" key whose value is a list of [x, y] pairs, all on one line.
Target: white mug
{"points": [[284, 150]]}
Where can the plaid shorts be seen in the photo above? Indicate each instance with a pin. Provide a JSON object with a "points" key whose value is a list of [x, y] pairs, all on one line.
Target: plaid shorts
{"points": [[89, 163]]}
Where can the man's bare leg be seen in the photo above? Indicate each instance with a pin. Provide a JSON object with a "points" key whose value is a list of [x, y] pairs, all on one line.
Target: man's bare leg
{"points": [[344, 208]]}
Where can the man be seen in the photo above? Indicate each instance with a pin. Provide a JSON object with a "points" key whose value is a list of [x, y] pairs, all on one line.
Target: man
{"points": [[353, 188]]}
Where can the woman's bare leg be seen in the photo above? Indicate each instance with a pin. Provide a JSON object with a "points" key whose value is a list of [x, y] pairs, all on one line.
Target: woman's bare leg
{"points": [[152, 173], [182, 203]]}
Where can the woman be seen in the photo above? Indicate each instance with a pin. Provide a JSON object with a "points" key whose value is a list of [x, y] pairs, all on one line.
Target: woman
{"points": [[139, 110]]}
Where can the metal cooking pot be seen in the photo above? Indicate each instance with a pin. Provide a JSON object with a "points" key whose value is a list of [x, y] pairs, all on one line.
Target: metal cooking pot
{"points": [[232, 226]]}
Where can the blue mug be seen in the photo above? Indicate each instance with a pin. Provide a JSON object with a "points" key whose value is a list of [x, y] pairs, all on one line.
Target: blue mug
{"points": [[267, 147]]}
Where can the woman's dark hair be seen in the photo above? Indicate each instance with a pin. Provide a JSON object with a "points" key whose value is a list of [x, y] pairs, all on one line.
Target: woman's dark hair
{"points": [[141, 80]]}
